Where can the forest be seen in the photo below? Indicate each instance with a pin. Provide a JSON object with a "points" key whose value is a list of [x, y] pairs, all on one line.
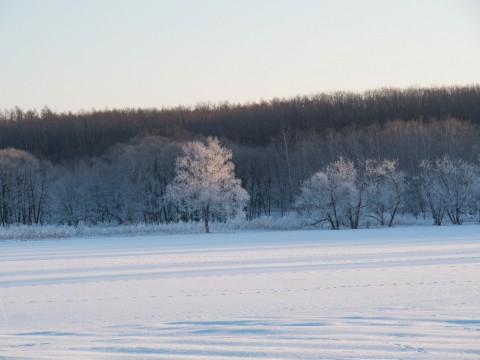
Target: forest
{"points": [[338, 159]]}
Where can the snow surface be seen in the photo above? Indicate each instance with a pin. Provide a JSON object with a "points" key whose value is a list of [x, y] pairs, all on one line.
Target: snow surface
{"points": [[401, 293]]}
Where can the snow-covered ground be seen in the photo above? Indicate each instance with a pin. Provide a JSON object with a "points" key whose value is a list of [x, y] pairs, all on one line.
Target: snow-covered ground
{"points": [[401, 293]]}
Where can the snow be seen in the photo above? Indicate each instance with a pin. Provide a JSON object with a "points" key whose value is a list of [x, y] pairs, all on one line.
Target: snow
{"points": [[400, 293]]}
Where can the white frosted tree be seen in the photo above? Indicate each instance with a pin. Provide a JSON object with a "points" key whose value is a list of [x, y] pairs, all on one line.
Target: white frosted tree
{"points": [[331, 195], [449, 186], [385, 190], [205, 186]]}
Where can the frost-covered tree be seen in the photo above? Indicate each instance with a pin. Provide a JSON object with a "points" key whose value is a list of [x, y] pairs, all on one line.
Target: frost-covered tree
{"points": [[331, 195], [146, 168], [24, 184], [385, 189], [205, 186], [449, 186], [73, 196], [125, 186]]}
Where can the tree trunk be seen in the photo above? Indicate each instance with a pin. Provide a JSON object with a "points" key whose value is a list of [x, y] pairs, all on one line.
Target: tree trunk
{"points": [[206, 216]]}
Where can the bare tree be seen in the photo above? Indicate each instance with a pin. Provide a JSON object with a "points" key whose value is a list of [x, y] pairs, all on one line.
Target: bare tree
{"points": [[24, 182]]}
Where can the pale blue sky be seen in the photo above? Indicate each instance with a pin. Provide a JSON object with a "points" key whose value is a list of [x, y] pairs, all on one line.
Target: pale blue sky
{"points": [[83, 54]]}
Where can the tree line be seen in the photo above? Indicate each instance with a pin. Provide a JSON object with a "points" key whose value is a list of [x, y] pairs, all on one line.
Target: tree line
{"points": [[353, 177], [343, 194], [66, 137]]}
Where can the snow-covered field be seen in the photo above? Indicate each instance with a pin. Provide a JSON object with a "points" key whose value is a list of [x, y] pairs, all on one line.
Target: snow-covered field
{"points": [[402, 293]]}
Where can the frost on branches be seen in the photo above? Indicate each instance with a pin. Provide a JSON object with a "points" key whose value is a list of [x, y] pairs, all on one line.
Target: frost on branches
{"points": [[385, 191], [449, 186], [342, 195], [328, 195], [205, 186]]}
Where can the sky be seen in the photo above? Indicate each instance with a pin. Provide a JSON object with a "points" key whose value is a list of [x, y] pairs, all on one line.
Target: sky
{"points": [[78, 55]]}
